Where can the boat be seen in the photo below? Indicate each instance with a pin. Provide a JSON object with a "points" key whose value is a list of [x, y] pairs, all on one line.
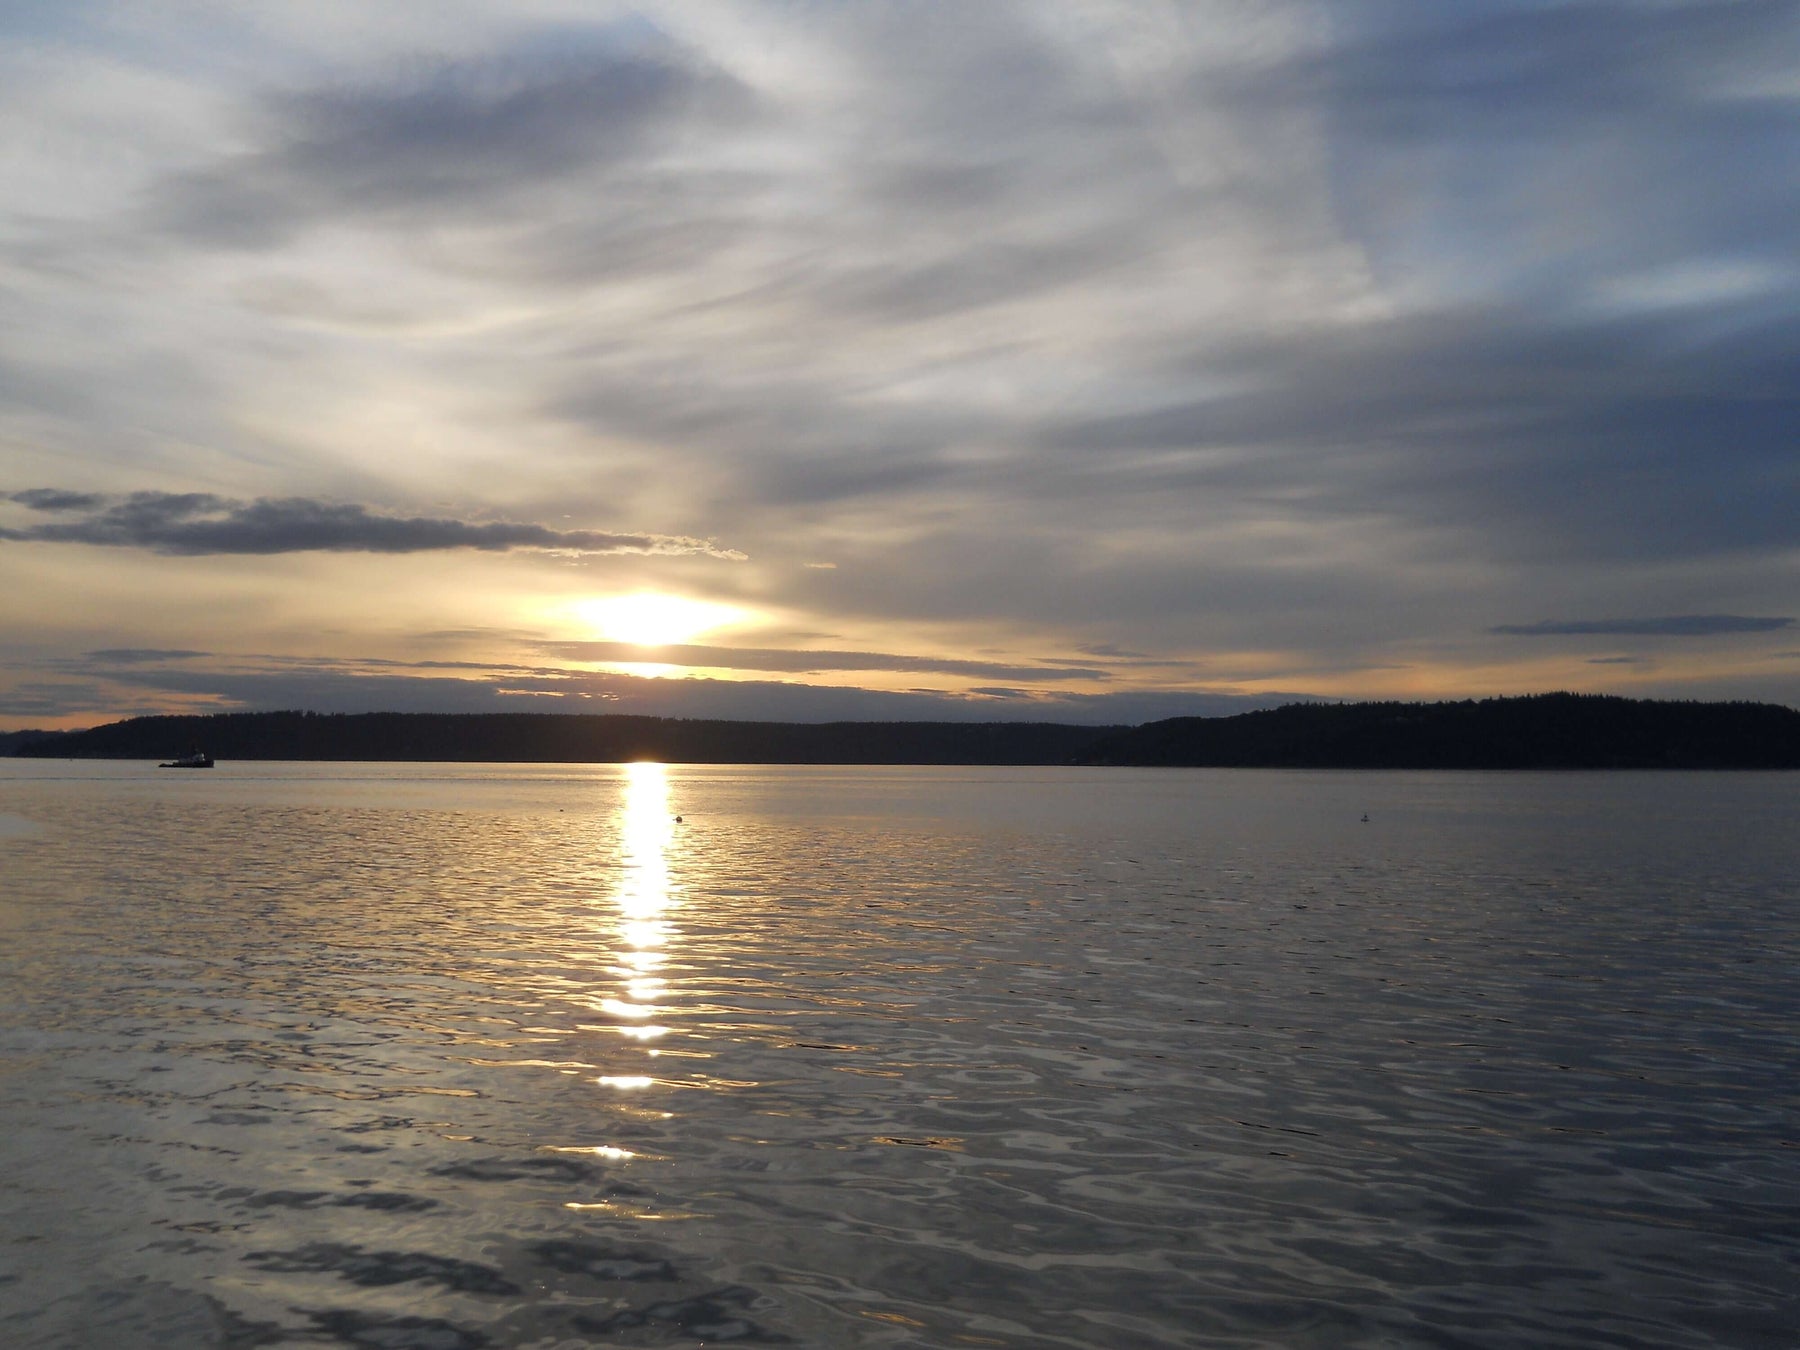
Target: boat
{"points": [[199, 759]]}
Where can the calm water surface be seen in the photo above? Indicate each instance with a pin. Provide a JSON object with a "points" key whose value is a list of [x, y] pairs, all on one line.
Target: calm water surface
{"points": [[445, 1057]]}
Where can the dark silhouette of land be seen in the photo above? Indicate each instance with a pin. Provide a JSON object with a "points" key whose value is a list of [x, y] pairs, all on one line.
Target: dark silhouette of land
{"points": [[12, 741], [1542, 731], [565, 738], [1539, 731]]}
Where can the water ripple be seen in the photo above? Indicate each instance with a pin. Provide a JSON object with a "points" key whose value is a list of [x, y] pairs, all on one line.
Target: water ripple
{"points": [[472, 1056]]}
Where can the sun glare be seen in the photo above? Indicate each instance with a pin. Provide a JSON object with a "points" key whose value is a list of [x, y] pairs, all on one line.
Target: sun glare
{"points": [[649, 619]]}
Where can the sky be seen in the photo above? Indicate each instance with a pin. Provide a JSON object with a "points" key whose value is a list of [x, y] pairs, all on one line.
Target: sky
{"points": [[1067, 360]]}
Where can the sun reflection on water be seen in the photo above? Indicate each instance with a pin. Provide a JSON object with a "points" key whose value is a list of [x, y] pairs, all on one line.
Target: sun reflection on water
{"points": [[643, 900]]}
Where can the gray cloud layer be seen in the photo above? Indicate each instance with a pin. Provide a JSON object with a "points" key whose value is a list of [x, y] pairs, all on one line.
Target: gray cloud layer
{"points": [[55, 499], [1674, 625], [192, 523], [342, 687], [131, 656], [1313, 335], [456, 139], [805, 662]]}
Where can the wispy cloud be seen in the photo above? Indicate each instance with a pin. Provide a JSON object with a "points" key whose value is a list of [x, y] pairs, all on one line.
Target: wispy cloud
{"points": [[343, 687], [133, 656], [1674, 625], [1202, 342], [458, 139], [801, 661], [192, 523], [54, 698]]}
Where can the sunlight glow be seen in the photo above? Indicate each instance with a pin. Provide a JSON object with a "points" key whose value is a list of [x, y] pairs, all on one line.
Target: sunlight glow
{"points": [[646, 828], [651, 619], [645, 935], [597, 1150], [646, 831], [642, 1033], [618, 1007]]}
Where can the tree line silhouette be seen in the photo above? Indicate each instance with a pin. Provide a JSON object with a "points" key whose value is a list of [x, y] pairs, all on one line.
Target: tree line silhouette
{"points": [[1540, 731]]}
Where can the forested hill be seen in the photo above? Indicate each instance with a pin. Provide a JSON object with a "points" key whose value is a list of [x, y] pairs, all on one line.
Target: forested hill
{"points": [[563, 738], [1541, 731], [1544, 731], [11, 742]]}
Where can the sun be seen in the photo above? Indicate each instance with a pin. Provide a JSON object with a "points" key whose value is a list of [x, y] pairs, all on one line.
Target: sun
{"points": [[652, 619]]}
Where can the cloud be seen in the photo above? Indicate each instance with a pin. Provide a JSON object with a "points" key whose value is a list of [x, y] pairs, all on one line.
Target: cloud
{"points": [[450, 140], [132, 656], [339, 687], [1530, 430], [55, 499], [1485, 137], [763, 658], [1675, 625], [1253, 344], [191, 523], [53, 698]]}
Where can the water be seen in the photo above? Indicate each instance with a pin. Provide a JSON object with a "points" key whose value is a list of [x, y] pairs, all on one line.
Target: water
{"points": [[443, 1057]]}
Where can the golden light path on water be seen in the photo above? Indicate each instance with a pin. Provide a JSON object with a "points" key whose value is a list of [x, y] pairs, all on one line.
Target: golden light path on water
{"points": [[637, 913], [643, 898], [641, 906]]}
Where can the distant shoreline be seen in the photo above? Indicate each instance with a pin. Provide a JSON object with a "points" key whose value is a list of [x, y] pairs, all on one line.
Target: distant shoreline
{"points": [[1539, 731]]}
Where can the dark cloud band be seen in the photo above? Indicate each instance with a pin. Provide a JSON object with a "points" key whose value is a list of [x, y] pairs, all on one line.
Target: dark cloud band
{"points": [[55, 499], [193, 523], [338, 687], [133, 656], [1674, 625]]}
